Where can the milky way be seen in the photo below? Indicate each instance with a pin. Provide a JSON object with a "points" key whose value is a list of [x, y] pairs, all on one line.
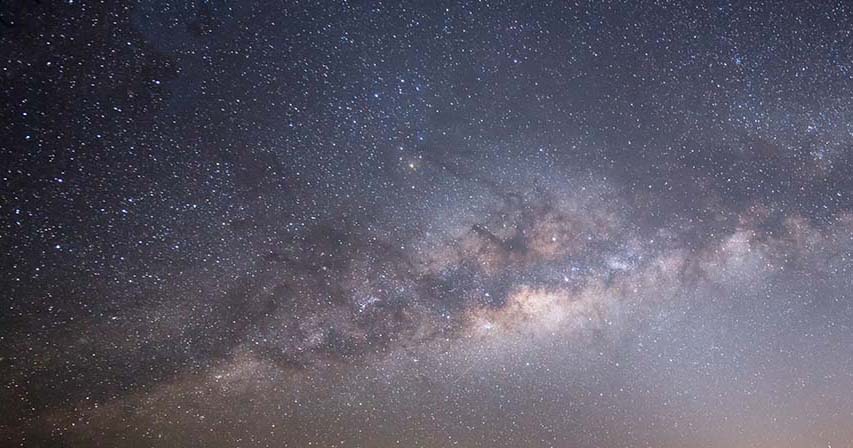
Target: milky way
{"points": [[476, 224]]}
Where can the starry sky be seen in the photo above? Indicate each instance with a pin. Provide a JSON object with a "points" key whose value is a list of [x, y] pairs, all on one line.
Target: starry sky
{"points": [[588, 224]]}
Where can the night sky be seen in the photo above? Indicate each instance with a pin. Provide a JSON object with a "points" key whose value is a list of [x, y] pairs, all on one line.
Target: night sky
{"points": [[589, 224]]}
